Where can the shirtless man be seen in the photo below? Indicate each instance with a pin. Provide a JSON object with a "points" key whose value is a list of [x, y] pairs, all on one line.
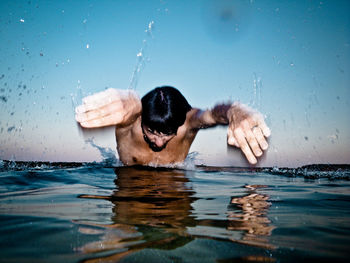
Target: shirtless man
{"points": [[160, 128]]}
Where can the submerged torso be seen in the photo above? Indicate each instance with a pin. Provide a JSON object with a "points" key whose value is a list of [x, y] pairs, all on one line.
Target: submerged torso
{"points": [[133, 149]]}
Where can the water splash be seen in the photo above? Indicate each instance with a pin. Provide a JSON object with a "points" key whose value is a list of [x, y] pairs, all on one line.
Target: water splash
{"points": [[10, 129], [3, 98], [315, 171], [142, 57], [108, 155], [77, 97], [257, 87], [150, 28], [190, 163]]}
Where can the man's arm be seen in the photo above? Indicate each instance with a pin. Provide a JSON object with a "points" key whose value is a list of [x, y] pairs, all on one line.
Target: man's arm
{"points": [[202, 119], [246, 127], [109, 107]]}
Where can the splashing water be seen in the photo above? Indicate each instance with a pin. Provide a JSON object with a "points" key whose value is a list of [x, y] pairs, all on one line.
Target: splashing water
{"points": [[77, 97], [190, 163], [257, 86], [107, 154], [141, 57]]}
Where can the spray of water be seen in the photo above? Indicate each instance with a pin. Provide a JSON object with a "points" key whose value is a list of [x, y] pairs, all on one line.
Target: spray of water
{"points": [[77, 97], [257, 87], [142, 57], [108, 155]]}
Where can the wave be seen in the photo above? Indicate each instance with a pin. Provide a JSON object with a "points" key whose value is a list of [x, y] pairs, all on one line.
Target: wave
{"points": [[314, 171]]}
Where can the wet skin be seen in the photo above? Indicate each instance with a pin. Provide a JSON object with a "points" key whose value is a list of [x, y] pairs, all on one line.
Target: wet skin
{"points": [[142, 145], [157, 141]]}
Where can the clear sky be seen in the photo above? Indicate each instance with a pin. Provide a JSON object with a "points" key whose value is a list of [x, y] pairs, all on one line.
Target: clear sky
{"points": [[288, 59]]}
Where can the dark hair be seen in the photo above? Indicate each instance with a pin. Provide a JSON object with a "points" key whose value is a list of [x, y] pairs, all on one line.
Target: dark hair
{"points": [[164, 109]]}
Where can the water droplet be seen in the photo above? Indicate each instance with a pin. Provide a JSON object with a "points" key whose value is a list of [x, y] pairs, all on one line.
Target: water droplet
{"points": [[333, 138], [151, 25], [10, 129]]}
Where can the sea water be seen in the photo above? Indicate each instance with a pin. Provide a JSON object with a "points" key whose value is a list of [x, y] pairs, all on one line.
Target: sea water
{"points": [[75, 212]]}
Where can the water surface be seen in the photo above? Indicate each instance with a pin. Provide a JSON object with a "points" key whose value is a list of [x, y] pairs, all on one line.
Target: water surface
{"points": [[96, 213]]}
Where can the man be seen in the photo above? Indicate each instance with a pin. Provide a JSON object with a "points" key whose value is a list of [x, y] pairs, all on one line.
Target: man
{"points": [[160, 128]]}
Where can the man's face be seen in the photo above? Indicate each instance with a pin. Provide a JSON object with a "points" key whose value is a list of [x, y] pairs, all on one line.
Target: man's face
{"points": [[157, 141]]}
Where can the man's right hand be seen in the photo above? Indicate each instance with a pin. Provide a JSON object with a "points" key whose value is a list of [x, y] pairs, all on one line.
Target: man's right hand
{"points": [[109, 107], [247, 130]]}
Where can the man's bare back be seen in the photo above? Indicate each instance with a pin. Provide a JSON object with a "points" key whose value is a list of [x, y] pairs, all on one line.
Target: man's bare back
{"points": [[139, 144]]}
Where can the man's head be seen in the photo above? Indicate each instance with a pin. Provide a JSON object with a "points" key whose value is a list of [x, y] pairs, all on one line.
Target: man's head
{"points": [[164, 110]]}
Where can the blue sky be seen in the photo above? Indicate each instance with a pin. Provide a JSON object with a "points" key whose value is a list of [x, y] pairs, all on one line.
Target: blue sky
{"points": [[288, 59]]}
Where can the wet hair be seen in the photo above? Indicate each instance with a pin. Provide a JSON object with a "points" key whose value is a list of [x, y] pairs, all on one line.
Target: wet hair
{"points": [[164, 109]]}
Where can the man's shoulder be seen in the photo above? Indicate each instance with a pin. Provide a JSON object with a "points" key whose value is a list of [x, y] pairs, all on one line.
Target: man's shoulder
{"points": [[192, 119], [190, 116], [131, 127], [188, 128]]}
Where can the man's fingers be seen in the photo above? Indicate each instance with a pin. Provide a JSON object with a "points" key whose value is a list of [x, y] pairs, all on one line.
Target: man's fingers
{"points": [[251, 139], [262, 125], [103, 95], [104, 121], [97, 104], [101, 99], [231, 138], [260, 138], [104, 98], [109, 109], [254, 146], [239, 135]]}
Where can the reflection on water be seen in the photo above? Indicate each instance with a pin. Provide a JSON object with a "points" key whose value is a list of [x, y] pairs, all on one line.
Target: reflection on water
{"points": [[206, 214], [250, 216], [153, 208]]}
